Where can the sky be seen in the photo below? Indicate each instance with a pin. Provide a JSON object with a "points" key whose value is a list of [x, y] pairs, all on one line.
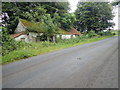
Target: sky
{"points": [[73, 6]]}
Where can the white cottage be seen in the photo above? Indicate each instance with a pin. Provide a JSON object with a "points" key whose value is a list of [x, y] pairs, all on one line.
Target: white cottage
{"points": [[20, 33]]}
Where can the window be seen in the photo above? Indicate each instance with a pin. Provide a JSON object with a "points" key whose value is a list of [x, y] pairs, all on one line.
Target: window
{"points": [[22, 39]]}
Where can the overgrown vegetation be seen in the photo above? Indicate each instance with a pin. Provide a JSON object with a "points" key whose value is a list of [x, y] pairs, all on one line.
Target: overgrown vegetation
{"points": [[33, 49], [53, 14], [9, 44], [88, 15], [90, 18]]}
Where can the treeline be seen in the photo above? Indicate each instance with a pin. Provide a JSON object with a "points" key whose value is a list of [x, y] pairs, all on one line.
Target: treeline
{"points": [[52, 14], [88, 16], [95, 16]]}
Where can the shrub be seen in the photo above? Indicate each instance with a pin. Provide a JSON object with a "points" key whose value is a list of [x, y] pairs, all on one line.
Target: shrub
{"points": [[91, 34], [9, 44]]}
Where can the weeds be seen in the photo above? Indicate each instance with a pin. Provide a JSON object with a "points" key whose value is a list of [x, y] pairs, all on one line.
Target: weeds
{"points": [[33, 49]]}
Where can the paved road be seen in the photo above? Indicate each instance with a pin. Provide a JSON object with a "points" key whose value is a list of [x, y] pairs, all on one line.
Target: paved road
{"points": [[93, 65]]}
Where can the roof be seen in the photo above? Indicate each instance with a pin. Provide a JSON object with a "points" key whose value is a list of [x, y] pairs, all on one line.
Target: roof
{"points": [[27, 23], [73, 31], [33, 26], [16, 34], [37, 28], [62, 31]]}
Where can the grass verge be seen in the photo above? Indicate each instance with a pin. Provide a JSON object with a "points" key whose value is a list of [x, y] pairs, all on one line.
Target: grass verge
{"points": [[35, 49]]}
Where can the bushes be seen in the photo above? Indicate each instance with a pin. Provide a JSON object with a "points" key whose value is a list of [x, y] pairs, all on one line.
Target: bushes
{"points": [[107, 33], [90, 34], [36, 48], [9, 44]]}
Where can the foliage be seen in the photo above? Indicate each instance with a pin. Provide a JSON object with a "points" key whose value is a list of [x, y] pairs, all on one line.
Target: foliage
{"points": [[48, 27], [34, 49], [9, 44], [38, 28], [91, 34], [93, 16], [35, 12], [67, 20], [51, 27], [43, 27], [102, 33]]}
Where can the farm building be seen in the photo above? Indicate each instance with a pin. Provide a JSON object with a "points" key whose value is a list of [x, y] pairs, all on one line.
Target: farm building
{"points": [[21, 32]]}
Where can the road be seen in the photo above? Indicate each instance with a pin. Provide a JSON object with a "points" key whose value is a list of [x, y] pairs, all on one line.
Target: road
{"points": [[93, 65]]}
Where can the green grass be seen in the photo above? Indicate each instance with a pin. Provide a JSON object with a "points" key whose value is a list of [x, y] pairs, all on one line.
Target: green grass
{"points": [[44, 47]]}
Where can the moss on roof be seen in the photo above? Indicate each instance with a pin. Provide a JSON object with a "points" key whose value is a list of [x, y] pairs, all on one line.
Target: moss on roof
{"points": [[27, 23], [41, 27], [33, 26], [62, 31]]}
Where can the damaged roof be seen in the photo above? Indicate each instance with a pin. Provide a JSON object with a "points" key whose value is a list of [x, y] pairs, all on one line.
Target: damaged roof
{"points": [[30, 25]]}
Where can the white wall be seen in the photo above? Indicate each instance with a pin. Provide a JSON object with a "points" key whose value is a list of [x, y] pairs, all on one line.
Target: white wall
{"points": [[31, 37], [22, 36], [28, 38], [33, 34], [74, 36], [58, 36], [20, 28], [65, 36]]}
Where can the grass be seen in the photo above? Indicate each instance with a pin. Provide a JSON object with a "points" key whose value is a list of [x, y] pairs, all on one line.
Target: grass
{"points": [[35, 49]]}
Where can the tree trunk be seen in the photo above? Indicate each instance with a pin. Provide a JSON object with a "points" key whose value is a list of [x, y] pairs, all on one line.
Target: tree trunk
{"points": [[53, 38], [48, 39]]}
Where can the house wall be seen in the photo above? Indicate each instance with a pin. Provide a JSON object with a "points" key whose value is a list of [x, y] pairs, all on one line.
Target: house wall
{"points": [[22, 37], [73, 36], [20, 28], [33, 36], [65, 36]]}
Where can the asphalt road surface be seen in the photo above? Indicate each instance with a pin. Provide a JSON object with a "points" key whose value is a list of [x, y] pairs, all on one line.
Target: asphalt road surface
{"points": [[93, 65]]}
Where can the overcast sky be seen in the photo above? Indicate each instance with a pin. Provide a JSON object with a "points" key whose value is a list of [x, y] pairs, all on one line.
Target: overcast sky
{"points": [[73, 3], [73, 6]]}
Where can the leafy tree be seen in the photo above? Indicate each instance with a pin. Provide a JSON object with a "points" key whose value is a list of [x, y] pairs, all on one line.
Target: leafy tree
{"points": [[67, 20], [35, 11], [51, 27], [12, 11], [93, 16]]}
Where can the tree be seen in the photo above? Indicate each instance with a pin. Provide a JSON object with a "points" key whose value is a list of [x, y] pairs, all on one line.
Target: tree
{"points": [[12, 11], [93, 16], [51, 27], [35, 11], [67, 20]]}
